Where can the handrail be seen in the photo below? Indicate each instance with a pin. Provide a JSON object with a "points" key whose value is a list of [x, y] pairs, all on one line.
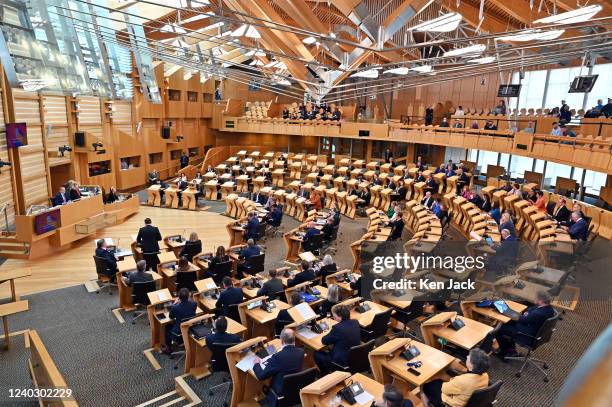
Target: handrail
{"points": [[5, 211]]}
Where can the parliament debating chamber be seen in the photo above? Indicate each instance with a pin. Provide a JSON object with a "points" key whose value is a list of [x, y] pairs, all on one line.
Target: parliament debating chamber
{"points": [[387, 203]]}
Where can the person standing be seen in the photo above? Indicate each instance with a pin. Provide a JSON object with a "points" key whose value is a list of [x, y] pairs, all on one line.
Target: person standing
{"points": [[148, 239]]}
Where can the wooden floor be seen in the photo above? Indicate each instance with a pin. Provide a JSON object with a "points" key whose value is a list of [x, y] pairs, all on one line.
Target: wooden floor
{"points": [[75, 265]]}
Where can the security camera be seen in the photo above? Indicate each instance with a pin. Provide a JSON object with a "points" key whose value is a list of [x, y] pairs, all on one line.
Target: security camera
{"points": [[63, 149]]}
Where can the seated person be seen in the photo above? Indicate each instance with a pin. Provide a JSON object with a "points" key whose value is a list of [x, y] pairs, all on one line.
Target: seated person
{"points": [[61, 197], [328, 267], [182, 309], [427, 200], [303, 193], [192, 247], [495, 213], [505, 222], [287, 361], [356, 285], [540, 202], [392, 397], [220, 335], [506, 253], [272, 286], [153, 177], [219, 257], [335, 215], [400, 192], [579, 228], [315, 200], [485, 204], [251, 250], [283, 318], [138, 276], [328, 230], [474, 125], [444, 122], [229, 296], [275, 216], [431, 185], [457, 124], [457, 391], [112, 196], [305, 274], [397, 227], [436, 207], [365, 196], [343, 336], [333, 298], [462, 180], [490, 126], [251, 230], [560, 212], [103, 252], [259, 198], [524, 330], [311, 231]]}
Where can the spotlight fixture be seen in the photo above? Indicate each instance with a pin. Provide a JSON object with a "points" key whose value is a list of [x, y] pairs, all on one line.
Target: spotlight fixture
{"points": [[5, 164], [179, 138], [96, 146], [63, 149]]}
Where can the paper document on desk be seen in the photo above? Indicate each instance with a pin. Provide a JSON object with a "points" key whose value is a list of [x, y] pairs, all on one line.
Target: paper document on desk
{"points": [[306, 333], [162, 296], [211, 285], [305, 311], [247, 362], [364, 398]]}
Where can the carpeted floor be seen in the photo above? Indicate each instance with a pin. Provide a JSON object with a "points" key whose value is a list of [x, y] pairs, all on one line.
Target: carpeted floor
{"points": [[103, 362]]}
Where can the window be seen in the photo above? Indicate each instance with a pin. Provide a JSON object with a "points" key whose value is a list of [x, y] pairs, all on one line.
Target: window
{"points": [[359, 149], [174, 95], [175, 154], [532, 90], [193, 151], [554, 170], [504, 159], [99, 168], [192, 96], [155, 158], [594, 181], [486, 158], [558, 85], [518, 166], [456, 154], [603, 86], [472, 156]]}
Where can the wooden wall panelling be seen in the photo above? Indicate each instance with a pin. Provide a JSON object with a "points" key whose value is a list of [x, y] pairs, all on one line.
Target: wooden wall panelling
{"points": [[55, 118], [175, 82], [33, 183], [127, 145], [6, 178]]}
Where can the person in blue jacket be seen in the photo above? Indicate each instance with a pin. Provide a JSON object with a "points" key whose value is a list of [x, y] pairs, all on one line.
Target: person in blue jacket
{"points": [[287, 361], [343, 336], [229, 296], [182, 309]]}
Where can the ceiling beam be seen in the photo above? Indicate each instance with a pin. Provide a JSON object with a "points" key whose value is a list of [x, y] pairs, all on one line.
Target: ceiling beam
{"points": [[517, 9]]}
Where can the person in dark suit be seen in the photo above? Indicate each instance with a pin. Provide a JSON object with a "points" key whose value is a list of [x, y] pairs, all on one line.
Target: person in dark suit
{"points": [[272, 286], [61, 197], [138, 276], [184, 160], [579, 229], [328, 229], [506, 253], [73, 190], [333, 298], [259, 198], [251, 230], [356, 284], [560, 212], [220, 335], [192, 247], [306, 274], [287, 361], [335, 215], [430, 184], [485, 205], [275, 217], [182, 309], [529, 323], [427, 200], [400, 192], [365, 196], [251, 250], [148, 238], [462, 180], [387, 155], [344, 335], [283, 318], [229, 296], [392, 397], [103, 252], [397, 227], [311, 231], [112, 196]]}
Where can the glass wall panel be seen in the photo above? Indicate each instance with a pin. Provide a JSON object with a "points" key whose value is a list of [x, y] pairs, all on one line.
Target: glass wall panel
{"points": [[554, 170], [594, 181]]}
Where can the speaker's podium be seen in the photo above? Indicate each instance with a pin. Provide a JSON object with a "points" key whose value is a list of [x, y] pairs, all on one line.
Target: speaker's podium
{"points": [[324, 392], [246, 388]]}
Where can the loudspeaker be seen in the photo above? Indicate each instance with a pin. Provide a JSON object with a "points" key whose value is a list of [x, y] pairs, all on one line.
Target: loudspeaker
{"points": [[79, 139], [364, 133], [165, 132]]}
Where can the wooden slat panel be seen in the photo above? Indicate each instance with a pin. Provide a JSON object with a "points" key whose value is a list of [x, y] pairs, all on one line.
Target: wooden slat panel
{"points": [[6, 189], [27, 110], [59, 137], [55, 110], [122, 112], [89, 111]]}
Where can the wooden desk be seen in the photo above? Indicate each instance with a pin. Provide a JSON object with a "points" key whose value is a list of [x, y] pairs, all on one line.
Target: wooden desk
{"points": [[323, 391], [246, 388], [197, 354], [467, 337], [293, 242], [189, 198], [204, 289], [311, 340], [169, 274], [340, 279], [226, 189], [6, 310], [172, 200], [387, 363], [154, 195], [258, 321], [491, 315], [236, 233], [158, 319], [365, 318], [210, 190], [11, 275]]}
